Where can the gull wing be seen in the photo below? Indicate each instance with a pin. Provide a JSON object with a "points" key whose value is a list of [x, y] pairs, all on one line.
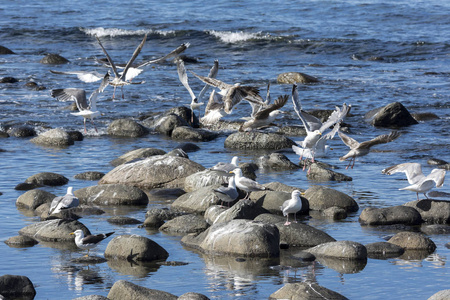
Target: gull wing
{"points": [[78, 95], [100, 89], [183, 76], [279, 103], [215, 102], [111, 62], [381, 139], [213, 82], [180, 49], [298, 108], [330, 135], [350, 142], [133, 57], [84, 76], [337, 116], [212, 74], [413, 171], [438, 175]]}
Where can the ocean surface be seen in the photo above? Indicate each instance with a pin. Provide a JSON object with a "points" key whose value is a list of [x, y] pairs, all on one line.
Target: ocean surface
{"points": [[365, 53]]}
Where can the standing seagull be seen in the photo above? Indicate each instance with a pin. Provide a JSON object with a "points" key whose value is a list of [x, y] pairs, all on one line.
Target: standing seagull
{"points": [[419, 183], [226, 167], [246, 184], [63, 202], [195, 101], [227, 194], [292, 206], [90, 241], [360, 149], [265, 116], [86, 109]]}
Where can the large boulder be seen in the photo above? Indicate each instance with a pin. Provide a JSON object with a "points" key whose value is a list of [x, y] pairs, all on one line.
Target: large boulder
{"points": [[319, 173], [134, 247], [112, 194], [432, 211], [392, 115], [136, 154], [413, 241], [390, 215], [53, 230], [340, 249], [205, 178], [153, 172], [47, 178], [33, 199], [321, 198], [197, 201], [296, 77], [276, 161], [302, 235], [125, 290], [305, 291], [273, 200], [126, 128], [193, 134], [53, 138], [237, 237], [184, 224], [168, 123], [243, 209], [257, 140], [16, 287], [441, 295]]}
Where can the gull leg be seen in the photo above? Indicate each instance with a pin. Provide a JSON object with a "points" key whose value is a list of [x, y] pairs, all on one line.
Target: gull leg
{"points": [[287, 221], [84, 121], [123, 96], [92, 120], [426, 195], [114, 92], [354, 160]]}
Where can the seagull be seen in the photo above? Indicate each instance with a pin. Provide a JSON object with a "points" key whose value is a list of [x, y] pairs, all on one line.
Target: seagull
{"points": [[86, 109], [215, 109], [419, 183], [246, 184], [292, 206], [233, 94], [265, 116], [63, 202], [90, 241], [85, 76], [227, 194], [226, 167], [360, 149], [195, 101]]}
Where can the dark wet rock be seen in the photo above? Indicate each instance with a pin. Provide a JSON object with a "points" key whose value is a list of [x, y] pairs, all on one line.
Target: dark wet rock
{"points": [[435, 229], [390, 215], [53, 59], [16, 287], [383, 250], [165, 194], [205, 178], [88, 260], [436, 162], [153, 221], [319, 173], [134, 247], [90, 175], [276, 161], [413, 241], [425, 116], [193, 134], [238, 237], [188, 147], [257, 140], [34, 86], [21, 241], [125, 290], [273, 200], [126, 128], [342, 266], [248, 170], [47, 178], [33, 199], [3, 51], [184, 224], [112, 194], [3, 134], [88, 210], [334, 213], [447, 245], [136, 154], [26, 186], [53, 138], [178, 153], [21, 131], [53, 230], [8, 79], [192, 296], [432, 211], [243, 209], [197, 201], [340, 249], [441, 295], [321, 198], [304, 256], [296, 77], [91, 297], [392, 115], [154, 172], [168, 123], [184, 113], [163, 213], [75, 135], [302, 235], [305, 291], [121, 220]]}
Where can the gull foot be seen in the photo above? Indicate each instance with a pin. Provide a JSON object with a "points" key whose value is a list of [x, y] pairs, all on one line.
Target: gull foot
{"points": [[287, 223]]}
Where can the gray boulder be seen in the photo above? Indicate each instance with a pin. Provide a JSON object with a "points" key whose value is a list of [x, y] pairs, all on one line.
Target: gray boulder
{"points": [[296, 77], [121, 220], [334, 213], [126, 128], [20, 241], [134, 247], [276, 161], [205, 178], [21, 131], [383, 250], [340, 249], [435, 229], [213, 212], [390, 215], [184, 224], [273, 200], [53, 138], [33, 199], [321, 198], [168, 123], [197, 201], [237, 237], [53, 230], [47, 178], [125, 290], [112, 194], [441, 295], [154, 172], [136, 154], [413, 241], [432, 211], [392, 115], [90, 175], [91, 297], [53, 59], [302, 235], [193, 134], [16, 287], [192, 296], [320, 173], [257, 140], [305, 291], [243, 209]]}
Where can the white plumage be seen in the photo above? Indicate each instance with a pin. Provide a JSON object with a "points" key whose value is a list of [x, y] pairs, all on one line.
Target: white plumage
{"points": [[246, 184], [292, 206], [90, 241], [64, 202]]}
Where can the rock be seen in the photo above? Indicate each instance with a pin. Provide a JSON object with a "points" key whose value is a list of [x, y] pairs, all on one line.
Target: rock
{"points": [[168, 123], [188, 147], [153, 221], [383, 250], [432, 211], [269, 218], [121, 220], [34, 86], [53, 59], [257, 140], [162, 213], [334, 213], [436, 162], [243, 209], [192, 296], [8, 79], [126, 128], [53, 138], [413, 241], [280, 187], [75, 135], [21, 131], [136, 248], [165, 194], [193, 134], [305, 291], [20, 241], [296, 77], [154, 172], [213, 212], [392, 115], [47, 178], [319, 173], [33, 199], [16, 287], [340, 249], [292, 130], [53, 230], [125, 290], [23, 186], [205, 178], [441, 295], [136, 154], [302, 235], [3, 51], [273, 200], [390, 215], [425, 116], [90, 175], [435, 229], [276, 161], [178, 153], [197, 201], [112, 194], [342, 266], [184, 224], [238, 238], [91, 297], [321, 198]]}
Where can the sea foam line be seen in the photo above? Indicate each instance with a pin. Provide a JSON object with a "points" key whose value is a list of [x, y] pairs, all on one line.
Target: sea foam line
{"points": [[112, 32]]}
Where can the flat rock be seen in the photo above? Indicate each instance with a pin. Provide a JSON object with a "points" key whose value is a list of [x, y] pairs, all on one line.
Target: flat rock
{"points": [[136, 154], [321, 198], [20, 241], [340, 249], [305, 291], [413, 241], [320, 173], [125, 290], [205, 178], [184, 224], [16, 287], [47, 178], [276, 161], [392, 115], [302, 235], [197, 201], [53, 230], [112, 194], [34, 198], [134, 247], [383, 250], [121, 220], [390, 215], [257, 140], [432, 211], [243, 209], [296, 77], [53, 138], [193, 134], [126, 128]]}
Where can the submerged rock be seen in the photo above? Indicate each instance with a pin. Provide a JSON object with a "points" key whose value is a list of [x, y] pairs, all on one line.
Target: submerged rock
{"points": [[125, 290], [340, 249], [21, 131], [53, 138], [126, 128], [47, 178], [112, 194], [319, 173], [53, 59], [21, 241]]}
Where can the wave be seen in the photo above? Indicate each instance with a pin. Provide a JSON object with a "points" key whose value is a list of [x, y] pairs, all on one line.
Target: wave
{"points": [[113, 32], [241, 36]]}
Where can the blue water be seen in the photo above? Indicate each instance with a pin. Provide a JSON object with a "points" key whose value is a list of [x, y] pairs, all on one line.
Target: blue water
{"points": [[366, 53]]}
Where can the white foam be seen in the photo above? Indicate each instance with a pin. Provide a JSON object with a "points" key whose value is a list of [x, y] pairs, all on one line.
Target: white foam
{"points": [[112, 32], [240, 36]]}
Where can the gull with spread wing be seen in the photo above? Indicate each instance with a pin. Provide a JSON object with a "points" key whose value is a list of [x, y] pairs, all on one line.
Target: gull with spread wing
{"points": [[265, 116]]}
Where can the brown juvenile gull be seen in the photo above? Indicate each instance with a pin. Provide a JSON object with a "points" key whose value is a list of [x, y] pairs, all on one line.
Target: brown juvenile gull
{"points": [[90, 241], [246, 184], [360, 149], [63, 202], [227, 194], [265, 116], [292, 206], [86, 108], [419, 183]]}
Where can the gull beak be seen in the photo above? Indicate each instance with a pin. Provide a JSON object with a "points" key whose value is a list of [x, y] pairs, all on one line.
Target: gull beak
{"points": [[331, 148], [302, 194], [72, 233]]}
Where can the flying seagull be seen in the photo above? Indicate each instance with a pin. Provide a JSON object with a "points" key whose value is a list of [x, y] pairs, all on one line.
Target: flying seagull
{"points": [[90, 241], [419, 183], [214, 110], [86, 108], [63, 202], [360, 149], [292, 206], [227, 194], [246, 184], [265, 116]]}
